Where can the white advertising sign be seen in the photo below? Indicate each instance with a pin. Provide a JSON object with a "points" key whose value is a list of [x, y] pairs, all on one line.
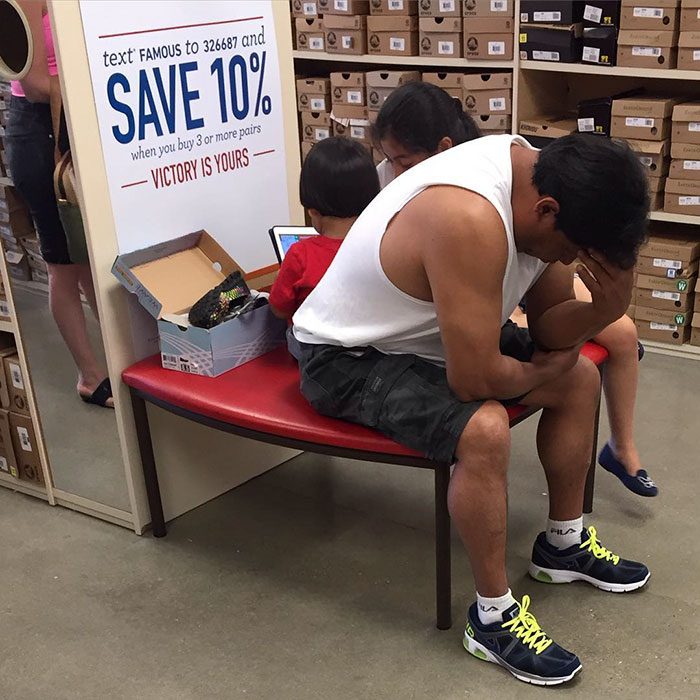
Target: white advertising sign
{"points": [[190, 113]]}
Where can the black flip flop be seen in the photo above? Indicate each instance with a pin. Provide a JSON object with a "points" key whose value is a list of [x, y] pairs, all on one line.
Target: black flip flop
{"points": [[101, 395]]}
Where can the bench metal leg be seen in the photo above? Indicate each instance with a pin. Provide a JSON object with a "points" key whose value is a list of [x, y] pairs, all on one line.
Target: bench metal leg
{"points": [[590, 478], [443, 565], [148, 463]]}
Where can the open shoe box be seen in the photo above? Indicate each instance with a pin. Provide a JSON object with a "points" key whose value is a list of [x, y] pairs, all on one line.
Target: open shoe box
{"points": [[170, 277]]}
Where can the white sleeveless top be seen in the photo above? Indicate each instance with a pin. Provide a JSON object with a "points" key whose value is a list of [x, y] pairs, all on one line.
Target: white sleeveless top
{"points": [[355, 304]]}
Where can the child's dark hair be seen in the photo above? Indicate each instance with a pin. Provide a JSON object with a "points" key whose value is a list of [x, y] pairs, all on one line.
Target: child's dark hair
{"points": [[338, 178], [419, 115]]}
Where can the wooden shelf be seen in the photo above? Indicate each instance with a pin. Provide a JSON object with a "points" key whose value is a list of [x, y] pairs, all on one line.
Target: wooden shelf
{"points": [[687, 352], [675, 218], [618, 71], [401, 60], [7, 327]]}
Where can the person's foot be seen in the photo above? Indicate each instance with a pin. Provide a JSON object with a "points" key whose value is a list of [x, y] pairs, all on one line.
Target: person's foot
{"points": [[520, 646], [98, 393], [589, 562], [637, 480]]}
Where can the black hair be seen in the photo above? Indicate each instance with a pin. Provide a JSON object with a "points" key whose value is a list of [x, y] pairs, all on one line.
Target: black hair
{"points": [[602, 192], [419, 115], [338, 178]]}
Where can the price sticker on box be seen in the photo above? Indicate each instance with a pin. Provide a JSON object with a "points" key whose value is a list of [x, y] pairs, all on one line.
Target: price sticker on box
{"points": [[318, 104], [691, 165], [24, 440], [396, 5], [347, 42], [648, 12], [4, 466], [447, 5], [646, 161], [446, 48], [593, 14], [357, 132], [499, 5], [652, 51], [496, 48], [316, 43], [545, 55], [16, 376], [397, 44], [639, 122], [689, 201], [354, 97], [663, 326], [546, 16], [666, 296], [497, 104], [587, 124], [341, 5], [320, 134], [591, 54]]}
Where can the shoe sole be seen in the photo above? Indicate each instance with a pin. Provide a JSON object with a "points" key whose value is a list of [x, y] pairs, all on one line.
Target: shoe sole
{"points": [[481, 652], [544, 575]]}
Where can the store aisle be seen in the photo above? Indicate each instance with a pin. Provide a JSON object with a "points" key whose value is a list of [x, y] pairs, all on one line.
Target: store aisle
{"points": [[315, 582]]}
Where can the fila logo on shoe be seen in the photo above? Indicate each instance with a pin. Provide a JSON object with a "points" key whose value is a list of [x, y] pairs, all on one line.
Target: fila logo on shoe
{"points": [[491, 608], [556, 531]]}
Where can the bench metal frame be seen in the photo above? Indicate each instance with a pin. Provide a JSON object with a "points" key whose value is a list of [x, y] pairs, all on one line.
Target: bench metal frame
{"points": [[443, 565]]}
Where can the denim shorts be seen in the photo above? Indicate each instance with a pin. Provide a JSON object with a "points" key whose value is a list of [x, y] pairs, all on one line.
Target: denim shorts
{"points": [[403, 396], [30, 148]]}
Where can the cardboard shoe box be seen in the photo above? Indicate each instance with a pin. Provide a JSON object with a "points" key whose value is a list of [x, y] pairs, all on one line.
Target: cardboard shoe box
{"points": [[305, 8], [685, 168], [551, 43], [668, 300], [647, 118], [551, 11], [690, 16], [686, 124], [440, 36], [601, 13], [670, 333], [392, 36], [682, 196], [488, 38], [493, 123], [348, 89], [595, 114], [689, 50], [380, 84], [487, 93], [488, 8], [647, 48], [653, 155], [393, 7], [8, 461], [16, 387], [313, 94], [650, 14], [26, 449], [309, 34], [677, 249], [599, 46], [170, 277], [346, 34], [440, 8], [666, 267], [451, 83], [541, 131], [675, 318], [356, 129], [315, 126], [343, 7]]}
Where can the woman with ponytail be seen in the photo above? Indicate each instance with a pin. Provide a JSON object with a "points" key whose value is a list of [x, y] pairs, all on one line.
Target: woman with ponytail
{"points": [[417, 121]]}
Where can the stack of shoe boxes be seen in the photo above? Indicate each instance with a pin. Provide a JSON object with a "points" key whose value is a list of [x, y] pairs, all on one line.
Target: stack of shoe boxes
{"points": [[4, 106], [683, 185], [440, 27], [314, 105], [350, 116], [689, 38], [392, 28], [380, 84], [487, 97], [601, 19], [646, 119], [551, 30], [345, 25], [649, 34], [308, 25], [666, 274], [488, 29]]}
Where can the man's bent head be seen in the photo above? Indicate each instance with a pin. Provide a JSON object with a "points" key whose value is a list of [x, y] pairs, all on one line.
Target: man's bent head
{"points": [[596, 192]]}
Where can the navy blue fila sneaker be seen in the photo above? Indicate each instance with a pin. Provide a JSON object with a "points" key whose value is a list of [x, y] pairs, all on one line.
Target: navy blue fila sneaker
{"points": [[520, 646], [589, 561]]}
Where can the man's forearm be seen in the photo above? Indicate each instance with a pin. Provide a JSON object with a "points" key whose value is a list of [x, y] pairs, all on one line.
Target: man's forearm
{"points": [[566, 325]]}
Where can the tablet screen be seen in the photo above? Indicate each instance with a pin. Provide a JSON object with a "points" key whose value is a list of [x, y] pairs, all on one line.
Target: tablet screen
{"points": [[284, 237]]}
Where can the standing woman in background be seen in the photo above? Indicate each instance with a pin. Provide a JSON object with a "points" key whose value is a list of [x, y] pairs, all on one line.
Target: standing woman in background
{"points": [[31, 148], [419, 120]]}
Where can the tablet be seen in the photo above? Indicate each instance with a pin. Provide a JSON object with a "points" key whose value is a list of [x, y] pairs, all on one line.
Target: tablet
{"points": [[284, 237]]}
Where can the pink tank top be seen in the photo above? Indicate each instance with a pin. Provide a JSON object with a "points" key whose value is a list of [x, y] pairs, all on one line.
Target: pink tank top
{"points": [[50, 57]]}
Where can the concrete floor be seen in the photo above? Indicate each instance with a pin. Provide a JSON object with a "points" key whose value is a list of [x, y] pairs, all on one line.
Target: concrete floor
{"points": [[315, 581]]}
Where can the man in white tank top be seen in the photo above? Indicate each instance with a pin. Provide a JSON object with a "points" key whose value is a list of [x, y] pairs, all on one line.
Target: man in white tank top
{"points": [[407, 333]]}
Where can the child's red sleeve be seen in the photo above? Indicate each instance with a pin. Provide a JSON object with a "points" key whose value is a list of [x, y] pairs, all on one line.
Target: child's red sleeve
{"points": [[283, 295]]}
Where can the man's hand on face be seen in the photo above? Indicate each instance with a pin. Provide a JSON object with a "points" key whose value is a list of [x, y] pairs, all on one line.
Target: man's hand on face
{"points": [[610, 286]]}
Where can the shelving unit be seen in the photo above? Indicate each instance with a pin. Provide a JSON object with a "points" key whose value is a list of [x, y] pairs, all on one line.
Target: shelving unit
{"points": [[609, 71], [462, 63]]}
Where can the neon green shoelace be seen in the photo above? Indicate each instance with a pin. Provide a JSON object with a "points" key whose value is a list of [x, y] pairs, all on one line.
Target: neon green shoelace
{"points": [[596, 548], [524, 626]]}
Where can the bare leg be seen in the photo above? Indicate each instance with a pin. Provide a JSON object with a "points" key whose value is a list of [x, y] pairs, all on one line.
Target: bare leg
{"points": [[67, 310], [565, 435], [620, 381], [477, 496], [88, 288]]}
